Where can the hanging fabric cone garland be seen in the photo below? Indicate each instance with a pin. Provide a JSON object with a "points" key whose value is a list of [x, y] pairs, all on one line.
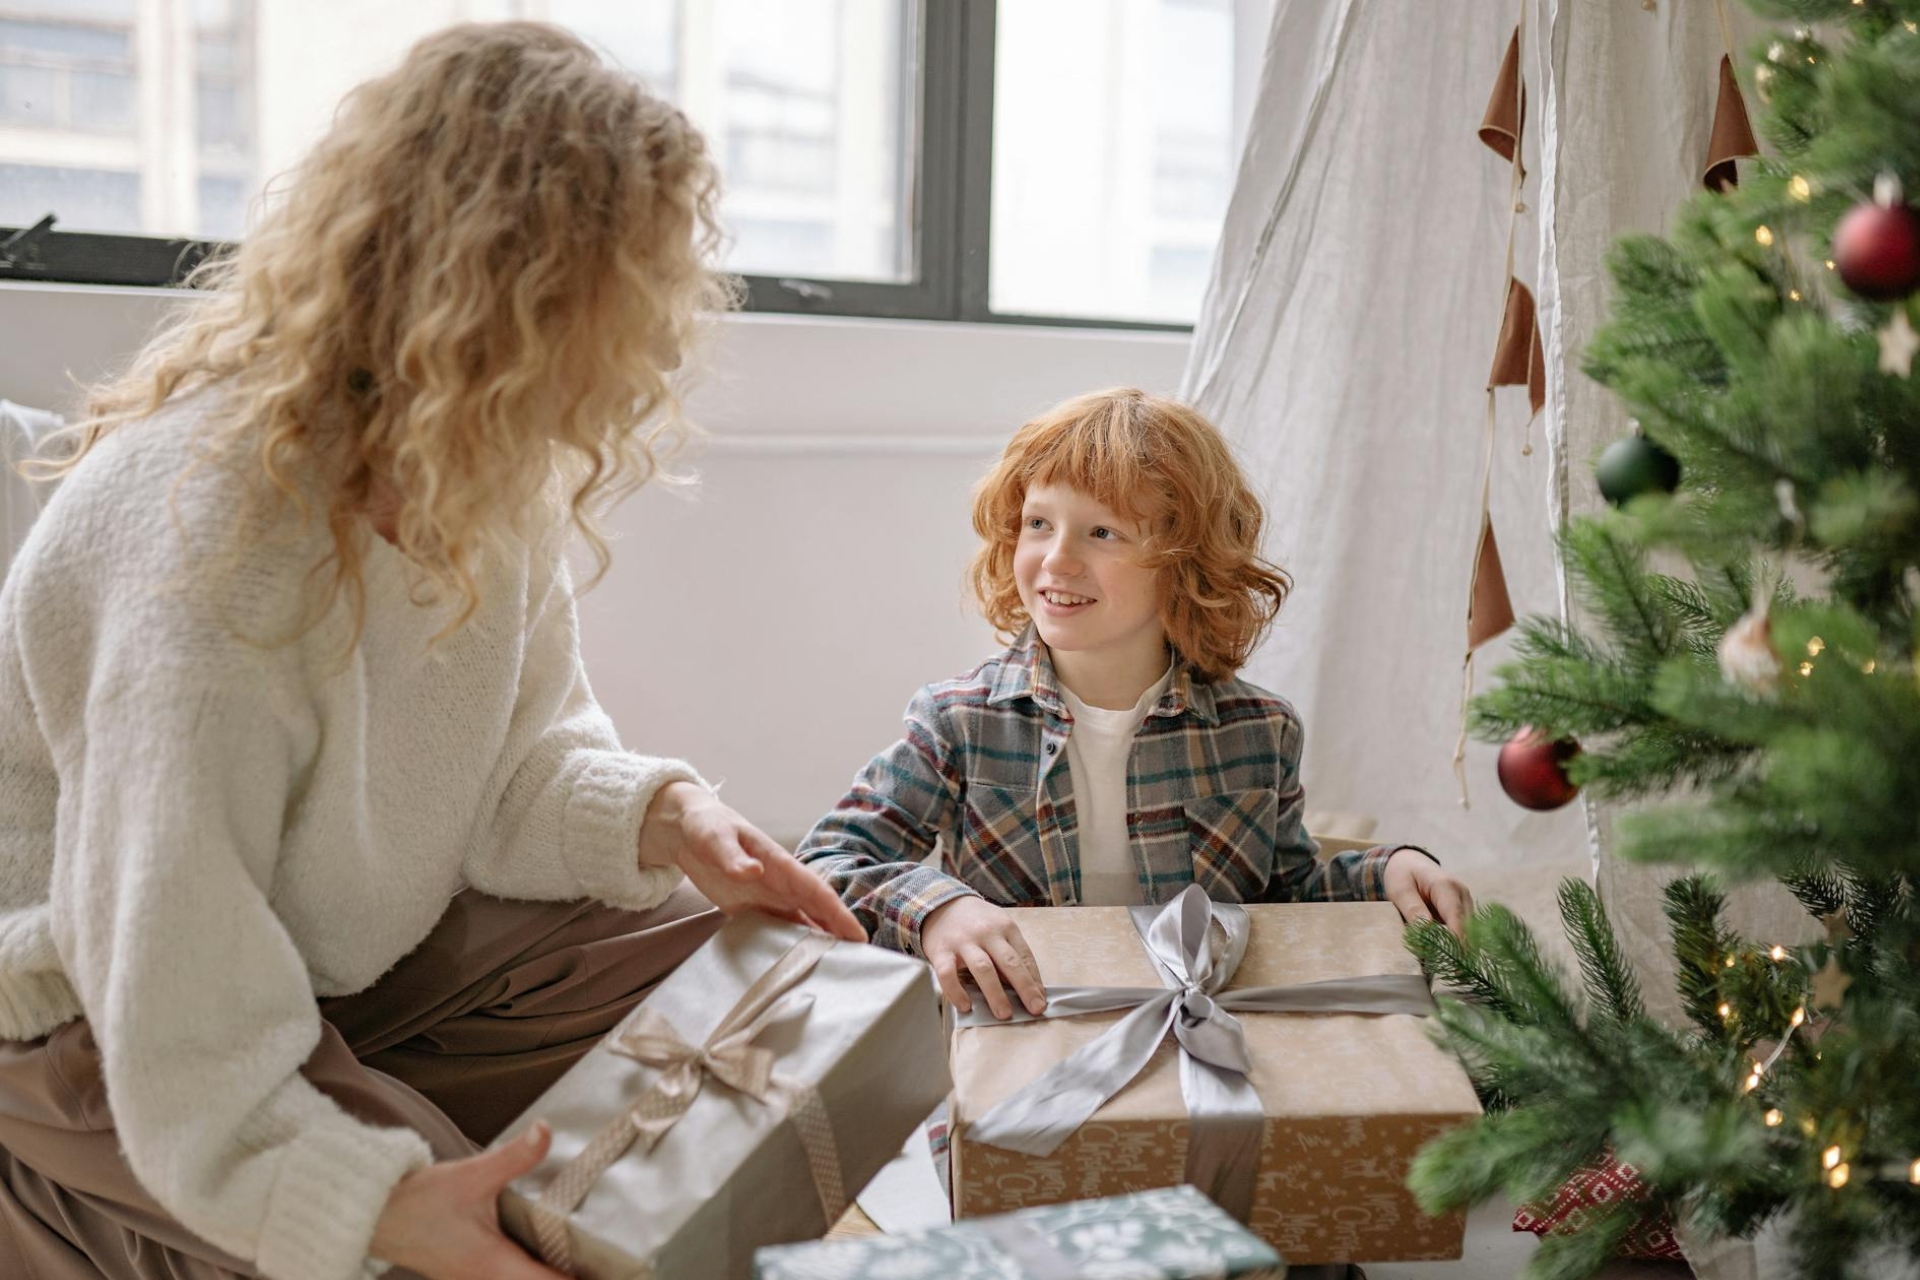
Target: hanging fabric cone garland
{"points": [[1518, 358], [1732, 136], [1506, 116], [1490, 611], [1518, 361]]}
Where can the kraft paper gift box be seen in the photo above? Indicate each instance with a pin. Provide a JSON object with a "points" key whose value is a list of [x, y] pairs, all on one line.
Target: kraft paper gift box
{"points": [[1173, 1233], [742, 1104], [1340, 1102]]}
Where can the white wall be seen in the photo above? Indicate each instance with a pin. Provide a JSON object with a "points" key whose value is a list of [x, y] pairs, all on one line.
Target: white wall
{"points": [[772, 628]]}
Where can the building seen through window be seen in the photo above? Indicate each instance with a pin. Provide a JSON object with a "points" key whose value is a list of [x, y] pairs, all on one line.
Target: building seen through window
{"points": [[1111, 137]]}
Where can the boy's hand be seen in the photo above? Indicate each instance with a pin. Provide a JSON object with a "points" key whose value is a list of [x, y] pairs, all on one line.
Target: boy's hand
{"points": [[972, 936], [1416, 884]]}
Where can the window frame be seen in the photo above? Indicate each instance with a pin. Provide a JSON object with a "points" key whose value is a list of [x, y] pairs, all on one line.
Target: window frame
{"points": [[951, 200]]}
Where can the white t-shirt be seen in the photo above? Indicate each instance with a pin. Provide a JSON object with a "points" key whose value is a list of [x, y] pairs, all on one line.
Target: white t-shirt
{"points": [[1098, 753]]}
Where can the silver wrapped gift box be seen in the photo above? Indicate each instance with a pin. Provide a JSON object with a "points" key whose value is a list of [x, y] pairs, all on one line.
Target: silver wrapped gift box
{"points": [[742, 1104]]}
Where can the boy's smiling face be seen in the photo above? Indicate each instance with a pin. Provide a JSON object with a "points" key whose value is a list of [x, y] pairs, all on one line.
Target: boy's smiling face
{"points": [[1077, 568]]}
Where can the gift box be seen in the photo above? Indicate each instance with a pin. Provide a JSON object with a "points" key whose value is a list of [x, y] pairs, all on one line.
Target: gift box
{"points": [[1597, 1188], [741, 1104], [1173, 1233], [1306, 1135]]}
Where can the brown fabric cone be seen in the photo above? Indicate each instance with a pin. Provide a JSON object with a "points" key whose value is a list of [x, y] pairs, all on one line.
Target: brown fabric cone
{"points": [[1489, 611], [1506, 116], [1732, 135], [1518, 358]]}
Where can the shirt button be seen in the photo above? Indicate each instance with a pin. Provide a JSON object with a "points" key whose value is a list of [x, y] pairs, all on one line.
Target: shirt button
{"points": [[1052, 747]]}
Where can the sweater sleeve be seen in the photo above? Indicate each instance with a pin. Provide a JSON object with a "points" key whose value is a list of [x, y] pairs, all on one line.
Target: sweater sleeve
{"points": [[161, 903], [1299, 875], [571, 800], [872, 848]]}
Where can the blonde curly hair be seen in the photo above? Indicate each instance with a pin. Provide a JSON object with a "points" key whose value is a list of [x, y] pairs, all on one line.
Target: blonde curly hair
{"points": [[1161, 463], [466, 299]]}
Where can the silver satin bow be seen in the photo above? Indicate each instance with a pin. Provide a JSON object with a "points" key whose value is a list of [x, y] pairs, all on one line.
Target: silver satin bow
{"points": [[729, 1056], [1194, 964]]}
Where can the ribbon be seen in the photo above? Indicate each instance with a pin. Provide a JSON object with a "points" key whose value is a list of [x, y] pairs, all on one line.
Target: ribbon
{"points": [[731, 1058], [1194, 961]]}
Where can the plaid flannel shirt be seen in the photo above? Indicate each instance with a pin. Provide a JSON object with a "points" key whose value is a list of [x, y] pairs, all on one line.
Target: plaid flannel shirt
{"points": [[1213, 787]]}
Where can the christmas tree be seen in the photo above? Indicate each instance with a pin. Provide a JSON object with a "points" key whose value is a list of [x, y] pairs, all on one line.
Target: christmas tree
{"points": [[1746, 673]]}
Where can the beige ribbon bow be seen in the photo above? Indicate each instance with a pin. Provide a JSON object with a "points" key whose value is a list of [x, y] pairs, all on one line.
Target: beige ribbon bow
{"points": [[730, 1057]]}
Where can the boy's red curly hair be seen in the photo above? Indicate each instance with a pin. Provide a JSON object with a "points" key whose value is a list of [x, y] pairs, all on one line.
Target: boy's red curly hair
{"points": [[1159, 462]]}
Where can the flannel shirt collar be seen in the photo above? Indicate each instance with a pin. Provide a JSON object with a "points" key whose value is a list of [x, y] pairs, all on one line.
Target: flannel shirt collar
{"points": [[1027, 672]]}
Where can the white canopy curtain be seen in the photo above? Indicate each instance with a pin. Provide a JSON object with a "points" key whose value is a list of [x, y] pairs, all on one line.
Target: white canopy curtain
{"points": [[1345, 345]]}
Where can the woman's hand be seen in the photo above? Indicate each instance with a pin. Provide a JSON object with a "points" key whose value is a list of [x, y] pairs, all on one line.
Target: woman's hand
{"points": [[441, 1221], [735, 864], [972, 935], [1416, 884]]}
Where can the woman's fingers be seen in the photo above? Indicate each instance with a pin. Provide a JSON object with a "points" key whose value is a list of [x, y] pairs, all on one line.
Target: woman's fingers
{"points": [[510, 1262], [502, 1165], [1016, 964], [799, 889], [735, 858], [987, 978]]}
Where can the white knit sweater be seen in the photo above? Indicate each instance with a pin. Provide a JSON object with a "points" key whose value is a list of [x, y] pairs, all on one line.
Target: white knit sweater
{"points": [[200, 833]]}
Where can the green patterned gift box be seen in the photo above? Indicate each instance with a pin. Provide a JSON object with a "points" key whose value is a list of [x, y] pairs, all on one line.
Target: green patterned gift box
{"points": [[1173, 1233]]}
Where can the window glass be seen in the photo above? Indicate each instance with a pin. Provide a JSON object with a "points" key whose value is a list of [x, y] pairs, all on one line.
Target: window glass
{"points": [[807, 104], [1111, 168]]}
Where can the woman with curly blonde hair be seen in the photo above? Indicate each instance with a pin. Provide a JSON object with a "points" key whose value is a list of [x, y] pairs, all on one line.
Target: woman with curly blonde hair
{"points": [[318, 860], [1109, 755]]}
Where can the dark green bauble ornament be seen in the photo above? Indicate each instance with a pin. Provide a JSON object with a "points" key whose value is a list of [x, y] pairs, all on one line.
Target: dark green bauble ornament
{"points": [[1635, 465]]}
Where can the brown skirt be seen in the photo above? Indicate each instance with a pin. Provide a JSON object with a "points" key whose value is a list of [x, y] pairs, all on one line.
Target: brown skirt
{"points": [[455, 1042]]}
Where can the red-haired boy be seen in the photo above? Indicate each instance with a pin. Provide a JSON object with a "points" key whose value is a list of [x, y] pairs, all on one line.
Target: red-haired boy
{"points": [[1108, 756]]}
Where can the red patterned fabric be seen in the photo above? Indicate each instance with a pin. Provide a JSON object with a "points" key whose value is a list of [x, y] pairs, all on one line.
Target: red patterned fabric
{"points": [[1601, 1184]]}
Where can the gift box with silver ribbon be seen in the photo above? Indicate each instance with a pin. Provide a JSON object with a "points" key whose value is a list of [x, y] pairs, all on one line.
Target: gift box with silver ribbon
{"points": [[742, 1104], [1273, 1056]]}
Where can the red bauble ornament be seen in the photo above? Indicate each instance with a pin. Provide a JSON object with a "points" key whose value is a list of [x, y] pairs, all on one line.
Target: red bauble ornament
{"points": [[1876, 248], [1533, 770]]}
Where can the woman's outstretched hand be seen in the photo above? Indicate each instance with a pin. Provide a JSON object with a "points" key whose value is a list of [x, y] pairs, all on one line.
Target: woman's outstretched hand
{"points": [[441, 1221], [735, 864]]}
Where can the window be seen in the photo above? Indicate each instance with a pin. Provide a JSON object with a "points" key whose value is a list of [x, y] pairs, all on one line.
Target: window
{"points": [[1109, 183], [68, 66], [1053, 160]]}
